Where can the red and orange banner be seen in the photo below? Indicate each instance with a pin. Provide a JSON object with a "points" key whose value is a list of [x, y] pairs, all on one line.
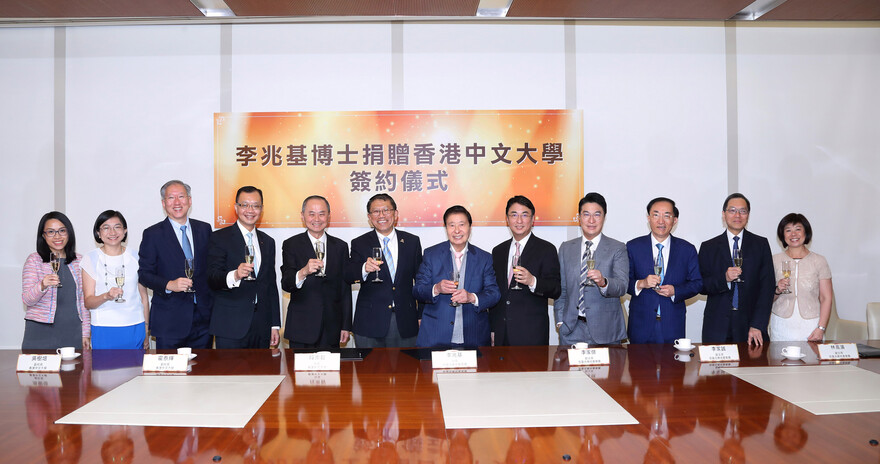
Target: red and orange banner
{"points": [[426, 160]]}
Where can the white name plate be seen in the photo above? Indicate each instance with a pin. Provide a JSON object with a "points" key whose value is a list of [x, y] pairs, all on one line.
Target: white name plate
{"points": [[38, 363], [34, 379], [317, 379], [835, 351], [718, 353], [710, 369], [437, 372], [842, 362], [588, 357], [453, 359], [165, 362], [320, 361], [593, 372]]}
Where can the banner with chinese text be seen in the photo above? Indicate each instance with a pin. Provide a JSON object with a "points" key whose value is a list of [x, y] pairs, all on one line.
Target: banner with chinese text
{"points": [[426, 160]]}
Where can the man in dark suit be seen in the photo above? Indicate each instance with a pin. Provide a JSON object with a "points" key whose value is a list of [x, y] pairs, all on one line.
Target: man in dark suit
{"points": [[319, 313], [657, 309], [588, 308], [455, 315], [521, 316], [736, 311], [178, 318], [246, 309], [386, 314]]}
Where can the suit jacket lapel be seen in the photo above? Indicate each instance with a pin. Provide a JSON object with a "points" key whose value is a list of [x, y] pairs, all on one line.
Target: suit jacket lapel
{"points": [[171, 237]]}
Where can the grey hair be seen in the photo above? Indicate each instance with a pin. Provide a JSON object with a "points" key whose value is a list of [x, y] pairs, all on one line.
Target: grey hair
{"points": [[315, 197], [173, 182]]}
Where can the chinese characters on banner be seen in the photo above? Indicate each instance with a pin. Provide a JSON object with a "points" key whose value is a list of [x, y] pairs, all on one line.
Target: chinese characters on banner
{"points": [[426, 160]]}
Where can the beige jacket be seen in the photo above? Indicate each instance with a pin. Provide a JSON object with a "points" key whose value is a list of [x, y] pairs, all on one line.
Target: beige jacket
{"points": [[809, 271]]}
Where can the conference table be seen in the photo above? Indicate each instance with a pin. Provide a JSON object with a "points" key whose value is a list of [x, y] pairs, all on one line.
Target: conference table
{"points": [[386, 408]]}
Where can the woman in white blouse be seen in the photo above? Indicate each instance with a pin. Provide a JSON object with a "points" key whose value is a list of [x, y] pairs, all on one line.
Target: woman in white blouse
{"points": [[802, 305], [119, 307]]}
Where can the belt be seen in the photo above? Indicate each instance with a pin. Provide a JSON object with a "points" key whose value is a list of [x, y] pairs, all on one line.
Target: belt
{"points": [[658, 317], [734, 309], [582, 318]]}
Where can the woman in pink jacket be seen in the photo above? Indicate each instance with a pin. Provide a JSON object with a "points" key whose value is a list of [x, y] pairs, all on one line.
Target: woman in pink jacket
{"points": [[56, 315]]}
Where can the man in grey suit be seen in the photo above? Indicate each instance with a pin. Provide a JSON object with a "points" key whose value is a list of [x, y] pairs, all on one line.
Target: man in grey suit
{"points": [[595, 274]]}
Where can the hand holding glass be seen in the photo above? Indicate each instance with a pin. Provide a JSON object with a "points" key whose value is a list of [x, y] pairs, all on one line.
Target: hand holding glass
{"points": [[658, 269], [55, 261], [786, 273], [378, 256], [591, 264], [455, 278], [249, 259], [189, 270], [738, 262], [319, 253], [514, 263], [120, 281]]}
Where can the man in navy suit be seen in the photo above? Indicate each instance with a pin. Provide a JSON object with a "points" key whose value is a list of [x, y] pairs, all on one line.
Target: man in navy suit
{"points": [[319, 313], [657, 309], [466, 324], [177, 318], [386, 314], [246, 309], [736, 311], [521, 316]]}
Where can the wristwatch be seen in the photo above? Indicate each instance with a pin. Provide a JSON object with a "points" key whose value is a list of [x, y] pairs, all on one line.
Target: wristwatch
{"points": [[821, 328]]}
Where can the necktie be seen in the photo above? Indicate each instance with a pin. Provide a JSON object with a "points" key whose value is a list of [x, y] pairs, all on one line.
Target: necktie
{"points": [[510, 272], [250, 244], [458, 323], [662, 267], [735, 286], [458, 255], [184, 240], [582, 296], [388, 258]]}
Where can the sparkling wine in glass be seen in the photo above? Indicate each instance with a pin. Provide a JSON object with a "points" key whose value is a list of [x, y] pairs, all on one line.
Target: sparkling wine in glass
{"points": [[120, 281], [658, 268], [591, 264], [319, 253], [379, 257], [455, 280], [786, 272], [55, 262], [514, 263], [249, 258], [189, 269], [738, 262]]}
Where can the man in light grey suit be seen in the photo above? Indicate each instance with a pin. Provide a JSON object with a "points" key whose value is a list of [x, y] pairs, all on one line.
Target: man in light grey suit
{"points": [[595, 274]]}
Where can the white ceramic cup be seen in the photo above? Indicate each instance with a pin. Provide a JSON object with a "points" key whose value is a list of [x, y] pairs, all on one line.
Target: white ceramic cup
{"points": [[66, 352], [682, 343], [186, 351], [580, 346], [792, 351]]}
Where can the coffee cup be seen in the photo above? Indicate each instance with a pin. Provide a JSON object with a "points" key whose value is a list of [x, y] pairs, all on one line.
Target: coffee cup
{"points": [[185, 350], [580, 346], [66, 352], [792, 351], [684, 343]]}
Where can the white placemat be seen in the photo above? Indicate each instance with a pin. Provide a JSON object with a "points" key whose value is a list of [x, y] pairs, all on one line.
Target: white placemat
{"points": [[818, 389], [526, 399], [179, 401]]}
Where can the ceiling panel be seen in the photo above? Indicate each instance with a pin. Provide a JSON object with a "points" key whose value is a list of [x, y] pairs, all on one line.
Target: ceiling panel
{"points": [[623, 9], [833, 10], [353, 7], [97, 9]]}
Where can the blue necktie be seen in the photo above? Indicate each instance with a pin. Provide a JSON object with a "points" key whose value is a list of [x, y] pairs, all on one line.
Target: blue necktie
{"points": [[184, 240], [662, 268], [388, 259], [735, 286]]}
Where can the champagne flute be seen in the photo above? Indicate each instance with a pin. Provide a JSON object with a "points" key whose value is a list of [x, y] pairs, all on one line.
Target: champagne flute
{"points": [[55, 262], [591, 264], [514, 263], [738, 262], [379, 257], [319, 253], [455, 278], [120, 281], [658, 269], [189, 270], [786, 272], [249, 258]]}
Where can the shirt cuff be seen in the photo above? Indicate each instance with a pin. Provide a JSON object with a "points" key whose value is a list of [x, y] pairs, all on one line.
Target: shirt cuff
{"points": [[230, 280], [299, 283], [533, 286], [476, 300], [364, 273], [637, 289]]}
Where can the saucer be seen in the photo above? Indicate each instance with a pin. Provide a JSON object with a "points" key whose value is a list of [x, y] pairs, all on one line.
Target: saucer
{"points": [[192, 355], [795, 357], [68, 358], [684, 348]]}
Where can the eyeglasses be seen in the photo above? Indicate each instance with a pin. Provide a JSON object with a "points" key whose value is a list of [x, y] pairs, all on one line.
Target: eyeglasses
{"points": [[116, 228], [525, 216], [52, 232], [381, 212], [249, 206], [734, 211]]}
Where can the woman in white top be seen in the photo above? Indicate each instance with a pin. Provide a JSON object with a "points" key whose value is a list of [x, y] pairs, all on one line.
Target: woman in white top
{"points": [[802, 305], [119, 305]]}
